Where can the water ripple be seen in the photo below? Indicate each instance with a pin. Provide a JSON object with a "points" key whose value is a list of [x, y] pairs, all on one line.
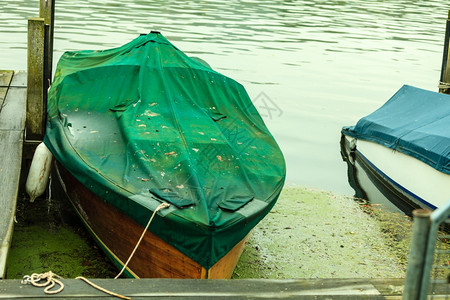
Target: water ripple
{"points": [[324, 62]]}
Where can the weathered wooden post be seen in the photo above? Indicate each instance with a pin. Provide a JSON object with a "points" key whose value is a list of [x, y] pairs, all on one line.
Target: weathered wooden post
{"points": [[47, 11], [35, 79], [417, 254], [39, 73], [444, 84]]}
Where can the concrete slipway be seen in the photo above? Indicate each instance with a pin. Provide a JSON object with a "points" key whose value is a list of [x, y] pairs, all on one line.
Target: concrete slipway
{"points": [[315, 234]]}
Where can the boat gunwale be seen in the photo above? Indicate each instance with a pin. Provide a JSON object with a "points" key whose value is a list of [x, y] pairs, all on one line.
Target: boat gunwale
{"points": [[375, 174]]}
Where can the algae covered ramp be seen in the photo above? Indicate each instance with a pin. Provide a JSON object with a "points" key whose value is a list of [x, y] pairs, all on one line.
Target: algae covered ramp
{"points": [[12, 123]]}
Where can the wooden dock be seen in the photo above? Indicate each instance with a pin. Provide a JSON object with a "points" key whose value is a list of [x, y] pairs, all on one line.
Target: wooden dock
{"points": [[12, 123], [215, 289]]}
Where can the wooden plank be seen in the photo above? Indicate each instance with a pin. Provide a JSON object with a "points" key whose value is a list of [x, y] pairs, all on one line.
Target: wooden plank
{"points": [[211, 289], [12, 123], [12, 116], [19, 79], [3, 92], [5, 77], [5, 80], [11, 158], [389, 287], [35, 80]]}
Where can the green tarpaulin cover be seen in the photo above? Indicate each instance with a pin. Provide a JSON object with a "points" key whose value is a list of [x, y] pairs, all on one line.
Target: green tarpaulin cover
{"points": [[144, 124]]}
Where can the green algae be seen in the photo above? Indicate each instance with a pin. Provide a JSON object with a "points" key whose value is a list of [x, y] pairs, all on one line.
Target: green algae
{"points": [[315, 234], [396, 228], [49, 237], [36, 250]]}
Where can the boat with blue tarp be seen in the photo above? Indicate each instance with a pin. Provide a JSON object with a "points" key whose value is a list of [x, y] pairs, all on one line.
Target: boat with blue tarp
{"points": [[404, 149]]}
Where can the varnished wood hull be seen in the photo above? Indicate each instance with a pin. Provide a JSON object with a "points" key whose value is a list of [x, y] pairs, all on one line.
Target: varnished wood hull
{"points": [[117, 234]]}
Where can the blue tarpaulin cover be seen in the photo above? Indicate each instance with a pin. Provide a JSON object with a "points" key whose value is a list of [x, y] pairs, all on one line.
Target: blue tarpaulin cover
{"points": [[415, 122]]}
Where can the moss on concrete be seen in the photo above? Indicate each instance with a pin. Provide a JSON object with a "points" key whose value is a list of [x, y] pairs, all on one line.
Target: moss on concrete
{"points": [[37, 250], [48, 236], [314, 234], [396, 229]]}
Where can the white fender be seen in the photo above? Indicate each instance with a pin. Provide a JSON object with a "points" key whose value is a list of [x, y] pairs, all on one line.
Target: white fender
{"points": [[39, 172]]}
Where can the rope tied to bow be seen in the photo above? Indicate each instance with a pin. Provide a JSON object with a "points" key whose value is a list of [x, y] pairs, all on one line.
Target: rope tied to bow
{"points": [[161, 206]]}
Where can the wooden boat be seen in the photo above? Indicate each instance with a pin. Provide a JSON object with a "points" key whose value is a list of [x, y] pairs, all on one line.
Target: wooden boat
{"points": [[144, 124], [403, 149]]}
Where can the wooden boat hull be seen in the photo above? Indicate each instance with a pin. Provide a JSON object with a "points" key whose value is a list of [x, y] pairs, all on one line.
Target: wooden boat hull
{"points": [[406, 182], [117, 235]]}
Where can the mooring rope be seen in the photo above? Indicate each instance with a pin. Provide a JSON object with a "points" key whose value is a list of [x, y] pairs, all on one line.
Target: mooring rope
{"points": [[443, 85], [161, 206], [50, 187], [102, 289], [50, 281]]}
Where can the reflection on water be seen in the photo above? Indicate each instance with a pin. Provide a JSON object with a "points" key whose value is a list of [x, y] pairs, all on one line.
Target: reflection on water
{"points": [[323, 63]]}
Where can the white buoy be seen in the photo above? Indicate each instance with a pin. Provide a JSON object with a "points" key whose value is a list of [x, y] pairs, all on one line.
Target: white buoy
{"points": [[39, 172]]}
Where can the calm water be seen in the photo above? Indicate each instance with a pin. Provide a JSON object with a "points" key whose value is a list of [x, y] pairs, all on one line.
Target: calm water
{"points": [[310, 66]]}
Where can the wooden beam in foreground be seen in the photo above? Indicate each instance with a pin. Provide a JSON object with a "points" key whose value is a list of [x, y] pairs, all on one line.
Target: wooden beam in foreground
{"points": [[12, 122], [216, 289]]}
